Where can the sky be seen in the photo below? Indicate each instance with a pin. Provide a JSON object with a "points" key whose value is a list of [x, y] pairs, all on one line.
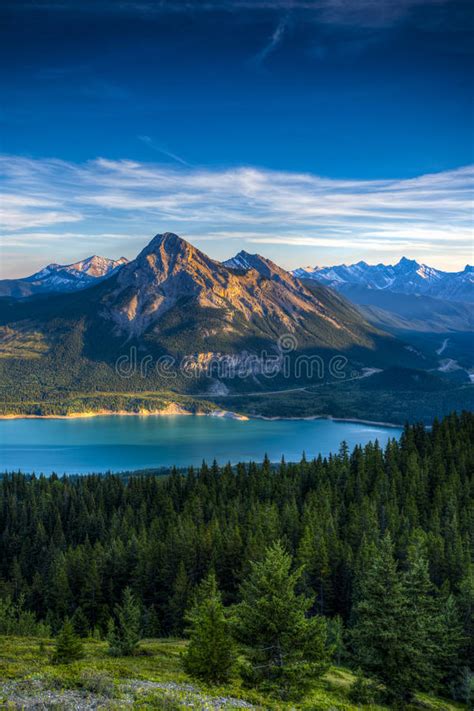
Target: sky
{"points": [[312, 131]]}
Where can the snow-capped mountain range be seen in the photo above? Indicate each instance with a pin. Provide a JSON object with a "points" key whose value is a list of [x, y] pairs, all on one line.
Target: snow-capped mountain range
{"points": [[406, 277], [62, 277]]}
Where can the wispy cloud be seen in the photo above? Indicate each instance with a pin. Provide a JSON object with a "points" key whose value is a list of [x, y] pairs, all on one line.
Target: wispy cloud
{"points": [[301, 217], [275, 40], [374, 13], [159, 149]]}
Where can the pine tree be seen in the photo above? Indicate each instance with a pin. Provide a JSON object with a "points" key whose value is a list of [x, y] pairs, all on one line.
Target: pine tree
{"points": [[336, 634], [58, 592], [68, 645], [178, 601], [284, 648], [210, 653], [420, 619], [450, 663], [466, 608], [123, 634], [382, 647], [80, 622]]}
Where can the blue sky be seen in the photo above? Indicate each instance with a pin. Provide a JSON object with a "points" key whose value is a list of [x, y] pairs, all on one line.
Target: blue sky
{"points": [[315, 132]]}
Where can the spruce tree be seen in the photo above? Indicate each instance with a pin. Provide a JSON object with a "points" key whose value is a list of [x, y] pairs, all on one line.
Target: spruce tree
{"points": [[466, 609], [450, 662], [284, 648], [68, 646], [210, 652], [80, 623], [382, 647], [420, 620], [124, 632], [178, 601], [336, 635]]}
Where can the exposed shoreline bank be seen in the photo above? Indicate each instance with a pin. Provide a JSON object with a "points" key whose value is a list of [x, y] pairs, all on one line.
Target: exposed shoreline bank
{"points": [[310, 418], [174, 409], [171, 409]]}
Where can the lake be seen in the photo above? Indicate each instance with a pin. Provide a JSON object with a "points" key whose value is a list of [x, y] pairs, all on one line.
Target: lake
{"points": [[119, 443]]}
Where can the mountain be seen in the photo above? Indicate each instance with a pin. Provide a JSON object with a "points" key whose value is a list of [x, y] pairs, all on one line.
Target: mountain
{"points": [[406, 277], [174, 325], [62, 277], [173, 287], [174, 300], [243, 261]]}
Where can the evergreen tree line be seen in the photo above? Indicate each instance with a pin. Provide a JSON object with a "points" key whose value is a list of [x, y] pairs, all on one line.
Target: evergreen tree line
{"points": [[379, 544]]}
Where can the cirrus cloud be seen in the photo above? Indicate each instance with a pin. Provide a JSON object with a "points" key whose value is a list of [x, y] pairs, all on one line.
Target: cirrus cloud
{"points": [[117, 202]]}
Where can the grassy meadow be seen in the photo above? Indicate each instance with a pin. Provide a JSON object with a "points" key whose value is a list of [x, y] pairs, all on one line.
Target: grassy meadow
{"points": [[153, 679]]}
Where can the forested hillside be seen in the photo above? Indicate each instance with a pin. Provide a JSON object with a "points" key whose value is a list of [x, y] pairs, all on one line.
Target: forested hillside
{"points": [[401, 519]]}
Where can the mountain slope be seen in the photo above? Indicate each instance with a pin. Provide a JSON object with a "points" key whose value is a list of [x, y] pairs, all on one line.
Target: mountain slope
{"points": [[174, 300], [62, 277], [170, 279], [409, 312]]}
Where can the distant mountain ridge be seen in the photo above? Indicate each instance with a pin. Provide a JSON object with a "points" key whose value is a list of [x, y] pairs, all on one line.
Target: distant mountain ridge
{"points": [[406, 277], [62, 277], [404, 297]]}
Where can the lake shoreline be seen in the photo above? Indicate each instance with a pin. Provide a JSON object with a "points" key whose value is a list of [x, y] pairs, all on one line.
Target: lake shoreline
{"points": [[176, 410], [165, 412], [311, 418]]}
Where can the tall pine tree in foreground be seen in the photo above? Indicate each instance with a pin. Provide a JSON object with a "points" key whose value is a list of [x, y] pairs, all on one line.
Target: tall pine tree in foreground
{"points": [[210, 653], [284, 648], [382, 645], [405, 636], [420, 620], [393, 636], [124, 632]]}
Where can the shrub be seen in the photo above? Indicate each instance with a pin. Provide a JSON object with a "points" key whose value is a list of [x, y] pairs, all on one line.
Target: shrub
{"points": [[362, 691], [97, 682], [15, 620], [68, 645]]}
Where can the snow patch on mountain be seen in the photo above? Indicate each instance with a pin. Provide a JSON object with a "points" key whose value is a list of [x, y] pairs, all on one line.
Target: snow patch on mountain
{"points": [[63, 277]]}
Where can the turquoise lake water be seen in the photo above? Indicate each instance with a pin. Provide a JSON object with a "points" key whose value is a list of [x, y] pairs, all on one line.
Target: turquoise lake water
{"points": [[119, 443]]}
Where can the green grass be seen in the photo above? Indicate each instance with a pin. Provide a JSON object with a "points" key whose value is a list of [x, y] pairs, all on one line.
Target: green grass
{"points": [[22, 343], [25, 664]]}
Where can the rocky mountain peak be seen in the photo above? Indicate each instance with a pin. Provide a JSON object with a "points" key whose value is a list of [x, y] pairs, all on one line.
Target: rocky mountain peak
{"points": [[169, 272], [168, 242], [265, 267], [408, 263], [165, 255], [95, 266]]}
